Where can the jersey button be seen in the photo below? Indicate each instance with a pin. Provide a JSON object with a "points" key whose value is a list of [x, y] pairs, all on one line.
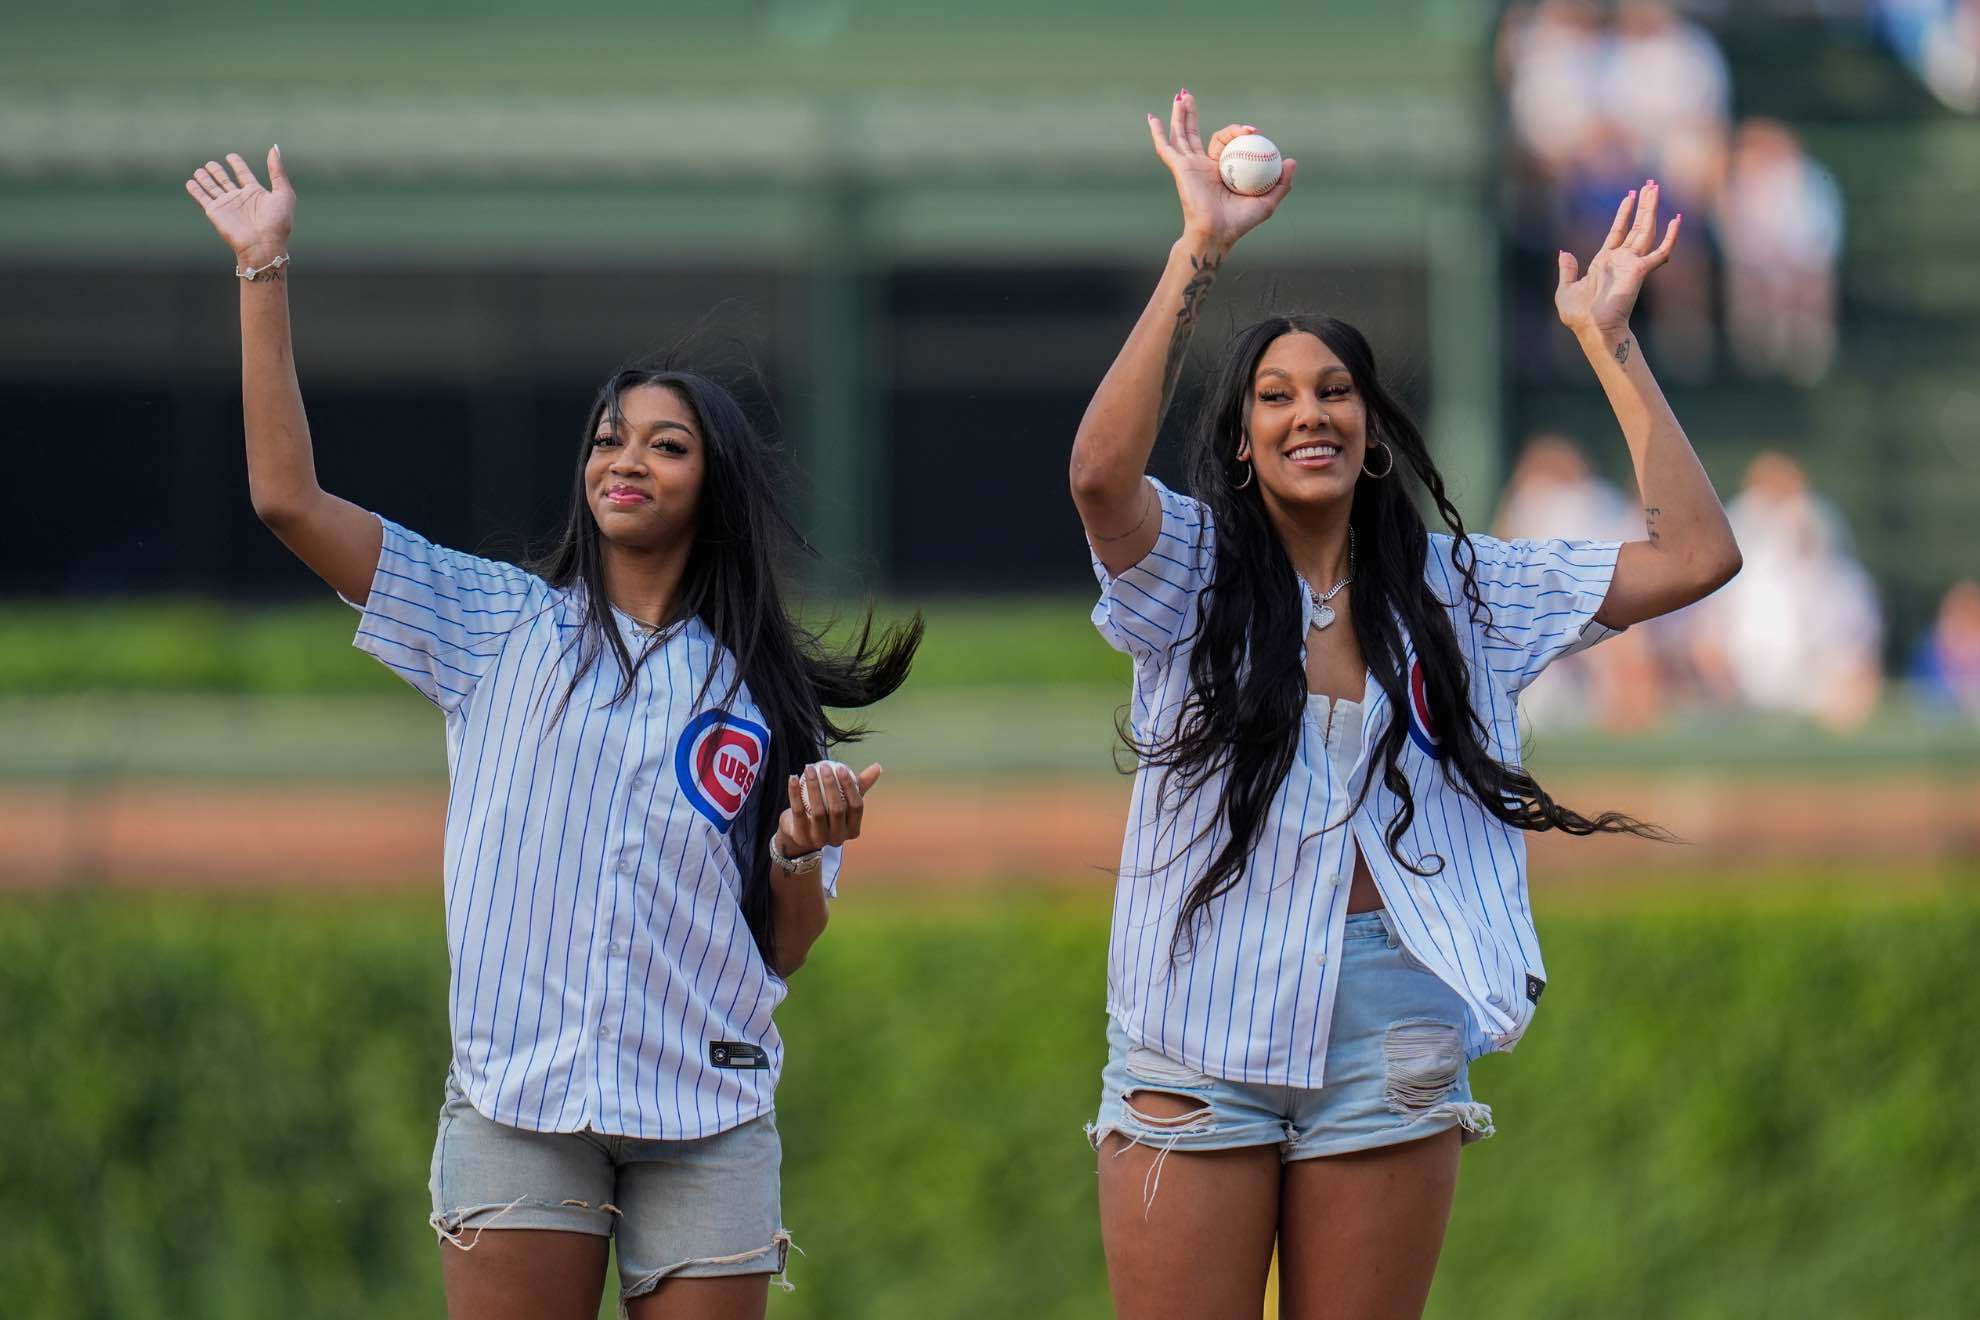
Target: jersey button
{"points": [[616, 947], [1319, 960]]}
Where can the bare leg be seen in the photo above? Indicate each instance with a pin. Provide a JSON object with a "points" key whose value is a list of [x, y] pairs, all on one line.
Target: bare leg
{"points": [[734, 1297], [524, 1274], [1204, 1246], [1360, 1234]]}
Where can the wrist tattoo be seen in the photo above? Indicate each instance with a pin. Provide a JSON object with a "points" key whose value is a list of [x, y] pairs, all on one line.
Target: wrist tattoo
{"points": [[1192, 306], [1622, 353], [1147, 505], [1650, 517]]}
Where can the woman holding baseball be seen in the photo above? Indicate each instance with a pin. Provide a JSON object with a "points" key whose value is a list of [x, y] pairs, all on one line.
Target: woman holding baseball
{"points": [[1322, 914], [641, 831]]}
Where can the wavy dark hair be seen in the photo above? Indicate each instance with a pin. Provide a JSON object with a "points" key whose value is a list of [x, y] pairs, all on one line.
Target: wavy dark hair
{"points": [[1247, 689], [733, 583]]}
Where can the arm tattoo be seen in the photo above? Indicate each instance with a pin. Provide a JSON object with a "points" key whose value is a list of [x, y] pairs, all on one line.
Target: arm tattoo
{"points": [[1622, 353], [1147, 507], [1192, 306], [1650, 517]]}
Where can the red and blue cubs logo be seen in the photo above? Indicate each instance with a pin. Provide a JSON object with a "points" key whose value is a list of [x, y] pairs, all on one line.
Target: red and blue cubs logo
{"points": [[1422, 728], [717, 761]]}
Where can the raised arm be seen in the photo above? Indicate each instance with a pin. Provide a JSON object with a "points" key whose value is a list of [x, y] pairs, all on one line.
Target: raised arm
{"points": [[336, 538], [1688, 551], [1110, 452]]}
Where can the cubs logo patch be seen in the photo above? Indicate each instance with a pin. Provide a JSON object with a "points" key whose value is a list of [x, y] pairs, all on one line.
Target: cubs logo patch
{"points": [[717, 761], [1422, 729]]}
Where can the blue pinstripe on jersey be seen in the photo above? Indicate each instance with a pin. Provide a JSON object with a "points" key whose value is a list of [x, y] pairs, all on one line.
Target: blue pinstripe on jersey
{"points": [[573, 1004], [1269, 949]]}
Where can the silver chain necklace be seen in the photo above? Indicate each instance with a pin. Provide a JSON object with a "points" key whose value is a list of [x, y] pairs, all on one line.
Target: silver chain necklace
{"points": [[1323, 613]]}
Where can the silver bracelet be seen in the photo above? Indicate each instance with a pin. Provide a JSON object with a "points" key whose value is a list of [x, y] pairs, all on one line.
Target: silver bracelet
{"points": [[795, 865], [253, 273]]}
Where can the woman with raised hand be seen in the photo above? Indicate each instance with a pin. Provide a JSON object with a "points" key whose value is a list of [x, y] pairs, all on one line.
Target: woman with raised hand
{"points": [[1321, 914], [642, 828]]}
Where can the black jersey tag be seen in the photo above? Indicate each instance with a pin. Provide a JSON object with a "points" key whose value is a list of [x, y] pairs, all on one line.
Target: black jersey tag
{"points": [[1534, 985], [737, 1054]]}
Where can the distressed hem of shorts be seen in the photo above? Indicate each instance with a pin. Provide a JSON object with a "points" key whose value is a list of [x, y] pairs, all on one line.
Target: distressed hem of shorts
{"points": [[1473, 1120], [463, 1225], [779, 1246]]}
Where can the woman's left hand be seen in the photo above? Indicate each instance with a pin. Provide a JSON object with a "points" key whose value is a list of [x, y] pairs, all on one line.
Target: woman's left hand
{"points": [[828, 803], [1602, 300]]}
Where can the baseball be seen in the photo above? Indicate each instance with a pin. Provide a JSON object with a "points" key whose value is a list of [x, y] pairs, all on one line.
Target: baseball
{"points": [[1249, 165]]}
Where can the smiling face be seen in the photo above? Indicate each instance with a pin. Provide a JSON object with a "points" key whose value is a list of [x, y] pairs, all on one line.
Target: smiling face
{"points": [[643, 478], [1305, 424]]}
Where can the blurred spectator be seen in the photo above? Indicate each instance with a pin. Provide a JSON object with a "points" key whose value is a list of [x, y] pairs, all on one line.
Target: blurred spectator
{"points": [[1947, 667], [1668, 94], [1553, 492], [1780, 223], [1596, 108], [1799, 630], [1550, 60], [1940, 41]]}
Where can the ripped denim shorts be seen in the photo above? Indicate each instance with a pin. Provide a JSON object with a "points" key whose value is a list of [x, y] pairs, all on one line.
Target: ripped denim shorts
{"points": [[677, 1209], [1395, 1072]]}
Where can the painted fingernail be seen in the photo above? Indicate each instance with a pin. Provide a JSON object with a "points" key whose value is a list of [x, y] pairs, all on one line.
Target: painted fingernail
{"points": [[1179, 94]]}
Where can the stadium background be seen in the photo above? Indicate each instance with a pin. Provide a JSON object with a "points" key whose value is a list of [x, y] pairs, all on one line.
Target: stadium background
{"points": [[219, 827]]}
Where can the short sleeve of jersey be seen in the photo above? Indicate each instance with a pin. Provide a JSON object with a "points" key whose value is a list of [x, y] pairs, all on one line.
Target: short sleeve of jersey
{"points": [[1145, 610], [1541, 597], [438, 617]]}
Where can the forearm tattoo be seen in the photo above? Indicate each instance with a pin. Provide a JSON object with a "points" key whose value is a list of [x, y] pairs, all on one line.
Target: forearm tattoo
{"points": [[1622, 353], [1192, 306], [1650, 517]]}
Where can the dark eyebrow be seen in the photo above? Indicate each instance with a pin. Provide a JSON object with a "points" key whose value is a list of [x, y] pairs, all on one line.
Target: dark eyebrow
{"points": [[656, 427], [1325, 372]]}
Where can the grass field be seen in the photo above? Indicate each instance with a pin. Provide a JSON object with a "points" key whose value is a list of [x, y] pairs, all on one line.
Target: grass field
{"points": [[1741, 1100]]}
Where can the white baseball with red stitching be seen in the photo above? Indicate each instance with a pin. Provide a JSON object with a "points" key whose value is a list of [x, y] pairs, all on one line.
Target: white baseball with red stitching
{"points": [[1249, 164]]}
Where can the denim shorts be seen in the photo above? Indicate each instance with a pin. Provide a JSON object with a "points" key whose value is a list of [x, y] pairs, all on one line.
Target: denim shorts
{"points": [[1395, 1071], [678, 1209]]}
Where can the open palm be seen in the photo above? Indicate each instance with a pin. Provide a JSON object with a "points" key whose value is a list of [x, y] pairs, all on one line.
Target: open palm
{"points": [[1209, 208], [252, 220], [1604, 297]]}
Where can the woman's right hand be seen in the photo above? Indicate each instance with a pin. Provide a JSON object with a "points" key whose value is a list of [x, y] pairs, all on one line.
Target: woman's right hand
{"points": [[1211, 211], [252, 220]]}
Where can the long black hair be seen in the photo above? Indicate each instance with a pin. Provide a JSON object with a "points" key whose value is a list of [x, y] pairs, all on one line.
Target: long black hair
{"points": [[733, 584], [1247, 689]]}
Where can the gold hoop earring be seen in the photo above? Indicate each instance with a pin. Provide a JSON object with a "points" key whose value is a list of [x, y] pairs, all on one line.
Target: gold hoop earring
{"points": [[1377, 476]]}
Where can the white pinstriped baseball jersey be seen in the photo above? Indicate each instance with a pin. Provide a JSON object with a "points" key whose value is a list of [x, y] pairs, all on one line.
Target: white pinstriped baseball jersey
{"points": [[602, 973], [1254, 1000]]}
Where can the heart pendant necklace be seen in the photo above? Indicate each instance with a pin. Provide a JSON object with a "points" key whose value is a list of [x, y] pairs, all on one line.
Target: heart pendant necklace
{"points": [[1323, 613]]}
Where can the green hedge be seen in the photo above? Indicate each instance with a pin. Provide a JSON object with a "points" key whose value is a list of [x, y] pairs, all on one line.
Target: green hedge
{"points": [[1730, 1107], [197, 646]]}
